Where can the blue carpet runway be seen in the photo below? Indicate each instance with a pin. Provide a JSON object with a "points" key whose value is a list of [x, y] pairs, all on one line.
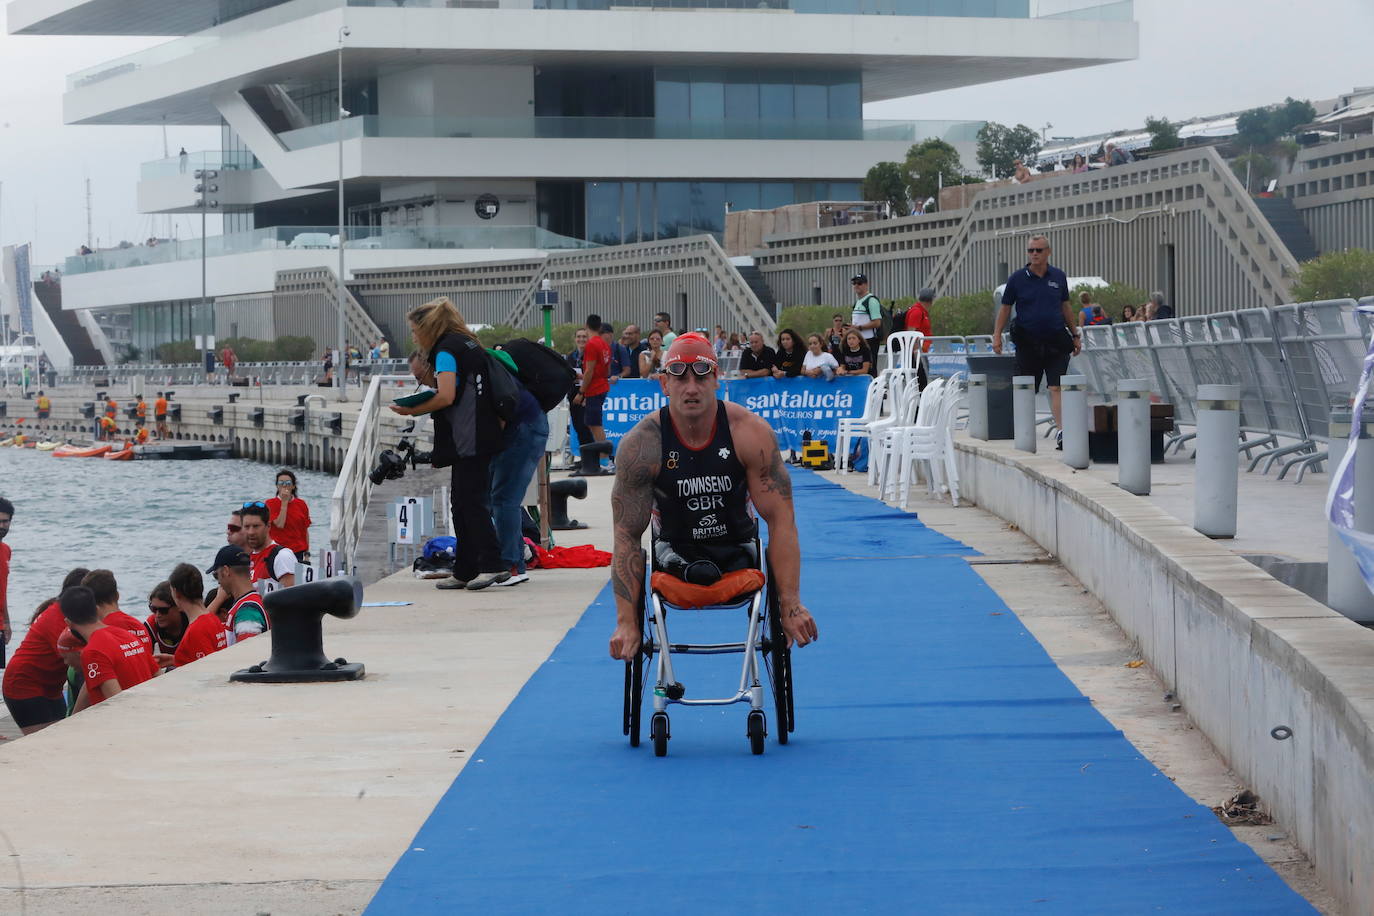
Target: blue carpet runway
{"points": [[941, 764]]}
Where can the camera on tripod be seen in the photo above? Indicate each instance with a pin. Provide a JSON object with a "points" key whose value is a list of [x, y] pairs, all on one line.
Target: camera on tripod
{"points": [[391, 464]]}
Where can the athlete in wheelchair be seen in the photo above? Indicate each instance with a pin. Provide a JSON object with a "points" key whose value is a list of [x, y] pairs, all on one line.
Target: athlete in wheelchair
{"points": [[697, 469]]}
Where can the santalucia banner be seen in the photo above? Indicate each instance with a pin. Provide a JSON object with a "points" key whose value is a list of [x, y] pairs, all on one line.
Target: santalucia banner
{"points": [[1340, 498], [791, 406]]}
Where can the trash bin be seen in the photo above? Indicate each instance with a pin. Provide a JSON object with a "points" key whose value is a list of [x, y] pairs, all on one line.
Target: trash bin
{"points": [[999, 370]]}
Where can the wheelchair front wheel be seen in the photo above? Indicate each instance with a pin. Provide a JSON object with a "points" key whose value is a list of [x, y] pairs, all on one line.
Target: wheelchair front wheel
{"points": [[658, 730], [757, 730]]}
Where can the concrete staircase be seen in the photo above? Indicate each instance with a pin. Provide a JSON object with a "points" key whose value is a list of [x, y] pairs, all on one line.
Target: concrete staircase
{"points": [[83, 349], [1286, 221], [751, 275]]}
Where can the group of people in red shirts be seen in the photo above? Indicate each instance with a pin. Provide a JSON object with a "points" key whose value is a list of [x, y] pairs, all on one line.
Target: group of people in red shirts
{"points": [[82, 642]]}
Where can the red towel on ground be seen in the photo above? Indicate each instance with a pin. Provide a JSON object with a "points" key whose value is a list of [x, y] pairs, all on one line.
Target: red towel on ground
{"points": [[584, 557]]}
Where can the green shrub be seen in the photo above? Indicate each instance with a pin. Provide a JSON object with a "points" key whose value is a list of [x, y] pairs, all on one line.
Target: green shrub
{"points": [[963, 316], [180, 351], [809, 319], [295, 349], [1345, 274], [562, 335]]}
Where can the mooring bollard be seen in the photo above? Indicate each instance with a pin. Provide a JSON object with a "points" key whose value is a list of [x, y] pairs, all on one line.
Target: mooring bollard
{"points": [[1023, 412], [1346, 591], [1133, 435], [978, 406], [1218, 471], [297, 634], [1073, 409]]}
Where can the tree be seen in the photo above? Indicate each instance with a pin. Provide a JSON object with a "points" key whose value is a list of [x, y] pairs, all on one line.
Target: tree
{"points": [[885, 183], [1261, 127], [930, 165], [1163, 134], [1255, 169], [1000, 146], [1345, 274]]}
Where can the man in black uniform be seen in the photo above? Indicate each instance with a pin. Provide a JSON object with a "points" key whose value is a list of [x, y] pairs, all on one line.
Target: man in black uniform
{"points": [[693, 468]]}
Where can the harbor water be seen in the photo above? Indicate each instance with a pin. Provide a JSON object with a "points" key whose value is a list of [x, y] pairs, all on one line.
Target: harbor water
{"points": [[136, 518]]}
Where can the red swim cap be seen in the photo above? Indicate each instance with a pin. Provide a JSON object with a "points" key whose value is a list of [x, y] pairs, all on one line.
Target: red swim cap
{"points": [[690, 348]]}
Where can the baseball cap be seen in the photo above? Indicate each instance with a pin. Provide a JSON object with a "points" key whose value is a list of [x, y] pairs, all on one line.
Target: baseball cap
{"points": [[229, 555], [926, 294], [858, 278], [690, 348]]}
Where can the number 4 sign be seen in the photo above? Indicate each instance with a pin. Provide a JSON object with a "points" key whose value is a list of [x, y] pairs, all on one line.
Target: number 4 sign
{"points": [[407, 519]]}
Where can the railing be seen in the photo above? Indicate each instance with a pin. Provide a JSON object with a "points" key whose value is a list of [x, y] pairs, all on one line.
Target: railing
{"points": [[1293, 363], [592, 128], [192, 374], [232, 160]]}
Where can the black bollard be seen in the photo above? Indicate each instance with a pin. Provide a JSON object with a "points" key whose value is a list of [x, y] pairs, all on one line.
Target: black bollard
{"points": [[591, 459], [297, 633], [559, 493]]}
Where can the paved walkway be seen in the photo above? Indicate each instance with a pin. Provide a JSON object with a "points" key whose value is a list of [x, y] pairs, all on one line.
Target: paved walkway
{"points": [[942, 762]]}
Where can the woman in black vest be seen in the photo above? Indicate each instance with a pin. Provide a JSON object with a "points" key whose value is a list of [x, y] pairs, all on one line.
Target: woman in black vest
{"points": [[467, 434]]}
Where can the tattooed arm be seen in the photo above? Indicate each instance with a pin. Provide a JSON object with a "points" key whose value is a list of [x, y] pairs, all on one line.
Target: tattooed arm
{"points": [[770, 489], [632, 501]]}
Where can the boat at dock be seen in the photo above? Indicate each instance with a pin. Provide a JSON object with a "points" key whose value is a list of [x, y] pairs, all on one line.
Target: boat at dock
{"points": [[183, 451]]}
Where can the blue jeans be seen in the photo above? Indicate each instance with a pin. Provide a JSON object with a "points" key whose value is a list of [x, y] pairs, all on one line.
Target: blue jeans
{"points": [[511, 471]]}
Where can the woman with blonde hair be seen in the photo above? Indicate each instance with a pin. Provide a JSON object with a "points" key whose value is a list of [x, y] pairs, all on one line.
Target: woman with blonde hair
{"points": [[467, 433]]}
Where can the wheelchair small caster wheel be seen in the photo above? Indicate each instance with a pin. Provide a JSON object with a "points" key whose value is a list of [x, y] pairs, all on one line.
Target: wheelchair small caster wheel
{"points": [[658, 730], [757, 731]]}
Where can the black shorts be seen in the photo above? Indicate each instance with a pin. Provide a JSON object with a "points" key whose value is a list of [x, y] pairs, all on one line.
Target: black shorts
{"points": [[1036, 359], [592, 405], [36, 710]]}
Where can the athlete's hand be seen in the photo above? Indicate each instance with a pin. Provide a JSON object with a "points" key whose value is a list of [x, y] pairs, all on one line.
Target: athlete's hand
{"points": [[625, 641], [799, 625]]}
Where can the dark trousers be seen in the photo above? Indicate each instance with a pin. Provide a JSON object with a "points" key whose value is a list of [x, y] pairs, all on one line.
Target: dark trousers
{"points": [[577, 414], [479, 550]]}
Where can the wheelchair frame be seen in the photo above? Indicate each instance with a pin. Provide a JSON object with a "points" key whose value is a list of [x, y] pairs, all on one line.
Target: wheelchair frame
{"points": [[765, 638]]}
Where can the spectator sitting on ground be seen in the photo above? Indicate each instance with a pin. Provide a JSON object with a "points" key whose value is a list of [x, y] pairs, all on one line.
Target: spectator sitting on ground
{"points": [[233, 570], [818, 363], [651, 359], [205, 632], [166, 623], [33, 679], [854, 358], [787, 361], [105, 589], [113, 659], [758, 360]]}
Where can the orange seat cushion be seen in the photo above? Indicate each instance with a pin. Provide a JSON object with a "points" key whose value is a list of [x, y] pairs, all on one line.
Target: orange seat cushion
{"points": [[732, 585]]}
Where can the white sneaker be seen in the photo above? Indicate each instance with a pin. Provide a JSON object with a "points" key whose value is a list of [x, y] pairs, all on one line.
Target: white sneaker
{"points": [[515, 579]]}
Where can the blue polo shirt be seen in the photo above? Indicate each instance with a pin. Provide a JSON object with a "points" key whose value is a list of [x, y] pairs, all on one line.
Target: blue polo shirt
{"points": [[1038, 301]]}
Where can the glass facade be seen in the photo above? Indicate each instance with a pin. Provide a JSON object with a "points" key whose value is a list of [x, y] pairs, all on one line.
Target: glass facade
{"points": [[623, 212], [744, 95], [995, 9], [168, 322]]}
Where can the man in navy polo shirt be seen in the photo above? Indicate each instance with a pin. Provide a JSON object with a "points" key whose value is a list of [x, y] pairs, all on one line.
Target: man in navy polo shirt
{"points": [[1046, 328]]}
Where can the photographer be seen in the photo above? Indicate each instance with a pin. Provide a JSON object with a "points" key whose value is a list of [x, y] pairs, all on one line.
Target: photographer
{"points": [[467, 434]]}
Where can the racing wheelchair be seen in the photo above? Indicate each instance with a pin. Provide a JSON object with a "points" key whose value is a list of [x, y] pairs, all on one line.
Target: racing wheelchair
{"points": [[696, 583]]}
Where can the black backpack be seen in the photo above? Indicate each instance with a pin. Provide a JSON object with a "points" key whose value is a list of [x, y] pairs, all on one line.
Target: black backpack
{"points": [[505, 390], [543, 372], [898, 322]]}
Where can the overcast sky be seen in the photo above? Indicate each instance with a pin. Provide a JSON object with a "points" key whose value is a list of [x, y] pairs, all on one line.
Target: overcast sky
{"points": [[1195, 59]]}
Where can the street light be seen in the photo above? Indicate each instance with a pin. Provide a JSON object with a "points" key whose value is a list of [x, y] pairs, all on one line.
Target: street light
{"points": [[205, 187], [341, 370]]}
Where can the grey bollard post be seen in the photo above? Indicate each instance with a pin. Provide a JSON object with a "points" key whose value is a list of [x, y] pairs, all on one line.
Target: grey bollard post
{"points": [[1217, 470], [1023, 412], [1073, 409], [1133, 435], [1345, 588], [978, 406]]}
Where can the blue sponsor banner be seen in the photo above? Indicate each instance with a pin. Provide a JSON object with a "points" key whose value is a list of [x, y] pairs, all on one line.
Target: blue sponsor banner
{"points": [[791, 406]]}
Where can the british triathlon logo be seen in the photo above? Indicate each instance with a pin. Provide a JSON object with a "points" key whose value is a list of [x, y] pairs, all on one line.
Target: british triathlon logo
{"points": [[672, 461]]}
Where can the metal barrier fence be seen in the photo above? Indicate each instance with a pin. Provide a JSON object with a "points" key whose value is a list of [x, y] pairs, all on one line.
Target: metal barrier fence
{"points": [[1293, 364], [251, 374]]}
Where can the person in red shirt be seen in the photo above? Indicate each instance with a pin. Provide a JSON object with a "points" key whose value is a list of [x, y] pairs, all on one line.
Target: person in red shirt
{"points": [[918, 319], [113, 658], [290, 517], [103, 586], [32, 686], [6, 513], [205, 634], [270, 559], [596, 373]]}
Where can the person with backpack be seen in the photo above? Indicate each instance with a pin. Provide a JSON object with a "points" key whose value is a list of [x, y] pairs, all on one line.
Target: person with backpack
{"points": [[867, 318], [918, 319], [467, 435]]}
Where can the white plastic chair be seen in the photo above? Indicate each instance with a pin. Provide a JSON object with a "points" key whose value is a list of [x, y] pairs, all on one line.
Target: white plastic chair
{"points": [[889, 454], [852, 429], [931, 447], [903, 349], [881, 432]]}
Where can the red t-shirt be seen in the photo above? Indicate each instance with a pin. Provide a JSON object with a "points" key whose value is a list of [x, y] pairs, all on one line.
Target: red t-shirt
{"points": [[37, 670], [205, 635], [918, 319], [124, 621], [114, 652], [295, 537], [4, 581], [596, 365]]}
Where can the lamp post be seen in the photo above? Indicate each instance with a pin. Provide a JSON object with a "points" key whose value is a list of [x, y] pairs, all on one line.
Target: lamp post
{"points": [[341, 369], [205, 187]]}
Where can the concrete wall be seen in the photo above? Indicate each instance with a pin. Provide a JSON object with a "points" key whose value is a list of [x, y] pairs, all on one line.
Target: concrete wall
{"points": [[1242, 652]]}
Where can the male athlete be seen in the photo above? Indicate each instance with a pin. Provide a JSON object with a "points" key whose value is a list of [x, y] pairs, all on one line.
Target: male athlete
{"points": [[694, 467]]}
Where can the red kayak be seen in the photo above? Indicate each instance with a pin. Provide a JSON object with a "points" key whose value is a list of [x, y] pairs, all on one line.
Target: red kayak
{"points": [[81, 451], [124, 454]]}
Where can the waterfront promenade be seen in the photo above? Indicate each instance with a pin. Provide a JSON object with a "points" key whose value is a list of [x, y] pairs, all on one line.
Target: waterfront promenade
{"points": [[951, 743]]}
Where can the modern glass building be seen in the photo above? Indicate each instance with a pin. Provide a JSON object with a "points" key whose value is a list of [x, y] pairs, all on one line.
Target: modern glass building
{"points": [[478, 129]]}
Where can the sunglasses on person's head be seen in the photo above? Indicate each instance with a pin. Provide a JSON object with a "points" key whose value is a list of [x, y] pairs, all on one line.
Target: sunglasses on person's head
{"points": [[702, 368], [159, 608], [255, 503], [1034, 250]]}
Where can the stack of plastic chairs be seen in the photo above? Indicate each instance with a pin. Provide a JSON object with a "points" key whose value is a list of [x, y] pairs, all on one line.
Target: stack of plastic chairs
{"points": [[888, 458], [854, 428], [929, 446], [884, 432]]}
